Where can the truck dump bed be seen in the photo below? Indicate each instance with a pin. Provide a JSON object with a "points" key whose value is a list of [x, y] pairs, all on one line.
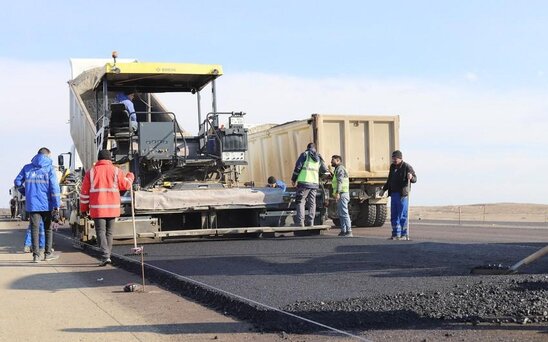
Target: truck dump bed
{"points": [[364, 142]]}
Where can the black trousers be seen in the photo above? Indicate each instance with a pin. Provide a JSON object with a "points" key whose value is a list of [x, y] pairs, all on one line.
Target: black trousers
{"points": [[35, 218], [103, 228]]}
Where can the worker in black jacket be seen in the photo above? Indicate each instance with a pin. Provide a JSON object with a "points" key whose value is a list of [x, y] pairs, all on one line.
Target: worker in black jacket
{"points": [[398, 186]]}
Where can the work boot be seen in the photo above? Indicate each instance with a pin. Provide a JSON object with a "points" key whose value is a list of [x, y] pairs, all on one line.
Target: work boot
{"points": [[35, 259], [342, 233], [51, 256], [349, 234], [395, 238], [405, 237], [105, 262]]}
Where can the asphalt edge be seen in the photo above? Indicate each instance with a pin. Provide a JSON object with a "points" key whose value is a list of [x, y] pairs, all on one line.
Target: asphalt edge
{"points": [[263, 319]]}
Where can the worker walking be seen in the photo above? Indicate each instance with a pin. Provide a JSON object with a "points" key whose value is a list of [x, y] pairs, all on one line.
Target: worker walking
{"points": [[398, 186], [341, 186], [43, 198], [100, 196], [306, 175]]}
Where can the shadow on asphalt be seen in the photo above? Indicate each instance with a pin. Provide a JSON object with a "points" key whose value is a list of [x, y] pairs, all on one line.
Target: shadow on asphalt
{"points": [[168, 329], [376, 258], [58, 281], [55, 281]]}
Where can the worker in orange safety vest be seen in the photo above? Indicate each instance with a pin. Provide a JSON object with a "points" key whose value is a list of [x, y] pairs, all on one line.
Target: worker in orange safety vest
{"points": [[100, 196]]}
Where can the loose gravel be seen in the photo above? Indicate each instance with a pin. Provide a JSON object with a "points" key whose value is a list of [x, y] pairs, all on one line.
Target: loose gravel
{"points": [[499, 300]]}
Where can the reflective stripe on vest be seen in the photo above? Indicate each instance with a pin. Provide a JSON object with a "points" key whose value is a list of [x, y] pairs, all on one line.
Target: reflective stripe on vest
{"points": [[345, 187], [96, 206], [310, 172], [114, 185], [36, 181]]}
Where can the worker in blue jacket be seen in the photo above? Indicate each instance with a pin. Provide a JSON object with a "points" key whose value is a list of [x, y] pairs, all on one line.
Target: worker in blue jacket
{"points": [[276, 183], [126, 98], [43, 196]]}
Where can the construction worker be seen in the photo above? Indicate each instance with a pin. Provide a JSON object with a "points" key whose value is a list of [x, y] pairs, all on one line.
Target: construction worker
{"points": [[127, 99], [398, 186], [43, 198], [306, 176], [100, 196], [13, 205], [276, 183], [341, 187]]}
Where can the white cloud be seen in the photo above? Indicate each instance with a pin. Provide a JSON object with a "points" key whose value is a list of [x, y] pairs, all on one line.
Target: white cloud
{"points": [[467, 146], [34, 114]]}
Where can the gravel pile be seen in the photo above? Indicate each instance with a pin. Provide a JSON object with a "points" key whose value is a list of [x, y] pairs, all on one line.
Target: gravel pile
{"points": [[496, 300]]}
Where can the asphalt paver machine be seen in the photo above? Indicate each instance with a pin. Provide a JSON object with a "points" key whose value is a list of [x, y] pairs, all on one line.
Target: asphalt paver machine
{"points": [[186, 185]]}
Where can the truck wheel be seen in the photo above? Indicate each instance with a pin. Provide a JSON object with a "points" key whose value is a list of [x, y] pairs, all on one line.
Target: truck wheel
{"points": [[366, 217], [380, 216]]}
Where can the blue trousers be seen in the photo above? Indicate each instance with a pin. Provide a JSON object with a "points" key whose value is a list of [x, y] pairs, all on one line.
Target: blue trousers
{"points": [[342, 211], [28, 236], [399, 207]]}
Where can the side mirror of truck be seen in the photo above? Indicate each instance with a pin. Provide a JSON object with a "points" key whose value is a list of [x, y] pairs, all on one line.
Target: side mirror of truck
{"points": [[61, 162]]}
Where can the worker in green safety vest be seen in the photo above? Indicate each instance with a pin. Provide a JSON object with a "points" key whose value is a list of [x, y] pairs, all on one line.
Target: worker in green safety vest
{"points": [[341, 186], [306, 176]]}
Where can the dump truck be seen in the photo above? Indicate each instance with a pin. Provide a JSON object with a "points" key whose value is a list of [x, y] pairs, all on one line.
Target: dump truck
{"points": [[185, 185], [364, 142]]}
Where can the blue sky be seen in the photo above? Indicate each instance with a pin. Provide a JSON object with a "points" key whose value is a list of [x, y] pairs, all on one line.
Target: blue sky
{"points": [[468, 78], [501, 40]]}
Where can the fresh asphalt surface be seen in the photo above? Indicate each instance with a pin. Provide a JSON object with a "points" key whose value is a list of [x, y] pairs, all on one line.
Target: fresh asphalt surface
{"points": [[283, 270]]}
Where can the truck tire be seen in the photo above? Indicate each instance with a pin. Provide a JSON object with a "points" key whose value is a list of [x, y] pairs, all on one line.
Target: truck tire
{"points": [[367, 215], [380, 215]]}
